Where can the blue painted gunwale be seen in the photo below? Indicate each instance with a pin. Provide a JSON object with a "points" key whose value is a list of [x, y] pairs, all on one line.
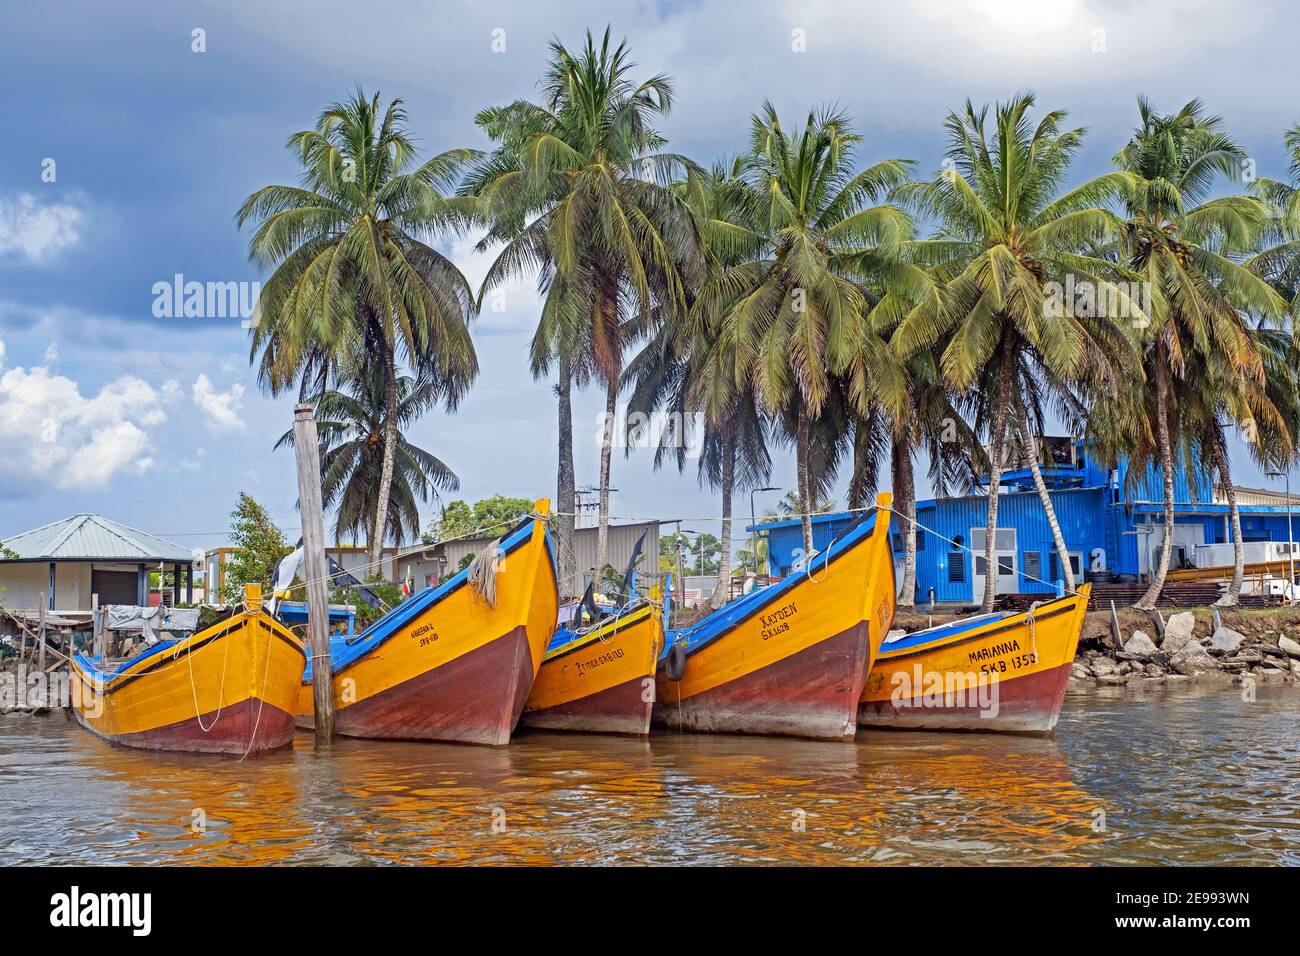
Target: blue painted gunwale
{"points": [[729, 616], [940, 633], [565, 636], [346, 651]]}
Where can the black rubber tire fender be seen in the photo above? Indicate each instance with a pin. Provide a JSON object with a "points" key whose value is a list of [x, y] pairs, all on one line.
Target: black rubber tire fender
{"points": [[675, 663]]}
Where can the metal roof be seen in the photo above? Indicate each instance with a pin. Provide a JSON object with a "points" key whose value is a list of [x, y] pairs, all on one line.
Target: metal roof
{"points": [[88, 537]]}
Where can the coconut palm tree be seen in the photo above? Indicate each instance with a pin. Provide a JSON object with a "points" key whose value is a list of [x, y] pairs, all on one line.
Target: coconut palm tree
{"points": [[1186, 248], [577, 191], [931, 421], [1279, 259], [687, 369], [352, 272], [798, 320], [1008, 240], [354, 431]]}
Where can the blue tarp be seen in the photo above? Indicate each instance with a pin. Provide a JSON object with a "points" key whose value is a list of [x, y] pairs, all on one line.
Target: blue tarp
{"points": [[92, 664]]}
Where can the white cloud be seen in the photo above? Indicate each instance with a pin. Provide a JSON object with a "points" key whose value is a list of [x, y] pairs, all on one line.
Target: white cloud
{"points": [[222, 409], [1054, 39], [37, 231], [51, 433], [512, 305], [196, 462]]}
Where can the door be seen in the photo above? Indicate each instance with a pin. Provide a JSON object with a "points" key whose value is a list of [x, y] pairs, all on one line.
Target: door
{"points": [[1187, 538], [1004, 555], [114, 587]]}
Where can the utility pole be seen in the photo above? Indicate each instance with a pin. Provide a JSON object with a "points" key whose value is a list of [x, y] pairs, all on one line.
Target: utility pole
{"points": [[1290, 534], [307, 453]]}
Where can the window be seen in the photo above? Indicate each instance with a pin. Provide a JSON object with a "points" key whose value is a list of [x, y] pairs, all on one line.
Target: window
{"points": [[898, 541], [956, 563], [956, 568], [1033, 565], [1006, 564], [1004, 541], [1054, 567]]}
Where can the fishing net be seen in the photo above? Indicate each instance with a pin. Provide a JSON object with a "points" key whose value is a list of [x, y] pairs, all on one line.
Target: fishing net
{"points": [[482, 574]]}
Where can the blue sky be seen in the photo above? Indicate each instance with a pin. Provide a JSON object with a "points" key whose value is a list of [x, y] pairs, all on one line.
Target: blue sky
{"points": [[158, 422]]}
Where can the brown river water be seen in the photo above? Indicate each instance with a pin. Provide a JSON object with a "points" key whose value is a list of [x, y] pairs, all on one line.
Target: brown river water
{"points": [[1177, 775]]}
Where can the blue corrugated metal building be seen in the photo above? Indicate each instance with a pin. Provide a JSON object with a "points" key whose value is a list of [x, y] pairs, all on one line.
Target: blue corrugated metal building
{"points": [[1112, 528]]}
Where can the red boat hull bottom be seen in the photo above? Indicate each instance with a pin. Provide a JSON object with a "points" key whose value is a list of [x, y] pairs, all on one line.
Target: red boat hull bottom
{"points": [[475, 699], [615, 710], [1025, 705], [247, 728], [813, 693]]}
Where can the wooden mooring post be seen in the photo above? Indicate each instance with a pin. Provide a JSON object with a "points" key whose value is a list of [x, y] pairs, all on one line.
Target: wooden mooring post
{"points": [[307, 454], [40, 635], [96, 628]]}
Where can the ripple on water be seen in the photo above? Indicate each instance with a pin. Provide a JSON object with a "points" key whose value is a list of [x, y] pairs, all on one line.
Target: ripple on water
{"points": [[1181, 776]]}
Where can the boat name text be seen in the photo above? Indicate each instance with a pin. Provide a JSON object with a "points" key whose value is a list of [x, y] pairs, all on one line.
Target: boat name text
{"points": [[777, 622]]}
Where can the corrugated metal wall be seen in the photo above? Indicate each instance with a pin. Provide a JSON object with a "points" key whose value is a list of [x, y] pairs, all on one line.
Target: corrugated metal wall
{"points": [[1081, 513], [1151, 487]]}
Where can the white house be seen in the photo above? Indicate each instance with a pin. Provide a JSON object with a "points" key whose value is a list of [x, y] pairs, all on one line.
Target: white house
{"points": [[68, 561]]}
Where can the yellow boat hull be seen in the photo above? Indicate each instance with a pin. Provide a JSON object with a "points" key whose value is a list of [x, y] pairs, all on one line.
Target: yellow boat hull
{"points": [[459, 669], [603, 682], [795, 665], [1006, 673], [231, 688]]}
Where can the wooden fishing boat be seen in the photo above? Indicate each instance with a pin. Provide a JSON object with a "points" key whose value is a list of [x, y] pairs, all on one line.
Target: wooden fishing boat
{"points": [[600, 678], [790, 658], [230, 688], [453, 662], [996, 672]]}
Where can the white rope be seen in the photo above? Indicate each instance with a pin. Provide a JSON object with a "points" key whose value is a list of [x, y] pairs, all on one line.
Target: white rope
{"points": [[1033, 629], [261, 697], [221, 692], [978, 554]]}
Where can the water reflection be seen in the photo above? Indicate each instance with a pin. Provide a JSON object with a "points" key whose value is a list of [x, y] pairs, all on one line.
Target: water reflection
{"points": [[1129, 779]]}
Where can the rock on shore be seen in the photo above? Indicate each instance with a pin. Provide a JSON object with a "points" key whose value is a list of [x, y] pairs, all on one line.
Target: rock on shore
{"points": [[1180, 655]]}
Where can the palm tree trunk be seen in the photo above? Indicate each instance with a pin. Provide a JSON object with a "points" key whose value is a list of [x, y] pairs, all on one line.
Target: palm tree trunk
{"points": [[1231, 597], [801, 442], [1000, 415], [375, 555], [1148, 600], [1058, 539], [565, 497], [723, 590], [606, 452], [904, 484]]}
